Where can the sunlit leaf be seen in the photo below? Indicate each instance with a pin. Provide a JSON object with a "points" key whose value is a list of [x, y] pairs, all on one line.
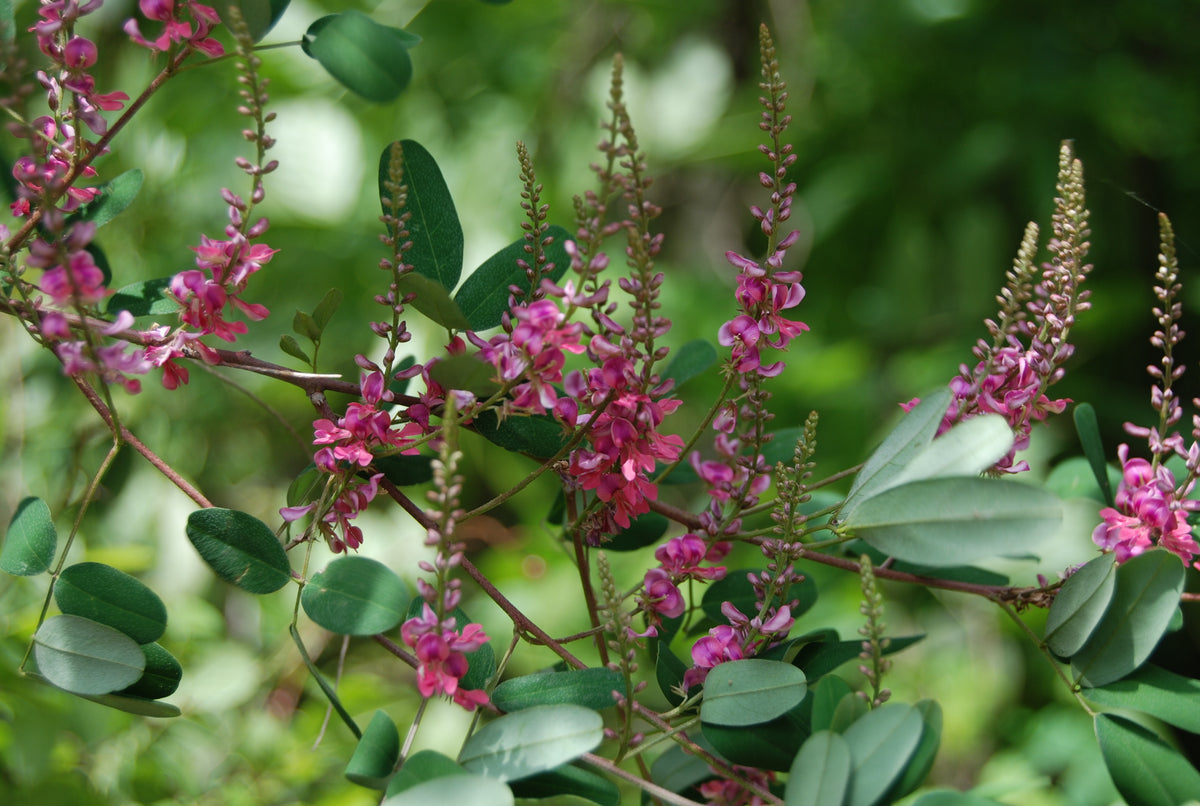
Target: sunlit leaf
{"points": [[30, 542], [102, 593], [534, 740], [591, 688], [240, 549], [356, 596], [1145, 769], [483, 298], [85, 657], [367, 58], [967, 449], [376, 753], [820, 775], [881, 743], [1079, 605]]}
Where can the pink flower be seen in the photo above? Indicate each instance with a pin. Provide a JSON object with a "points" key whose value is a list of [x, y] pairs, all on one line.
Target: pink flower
{"points": [[441, 652], [174, 30]]}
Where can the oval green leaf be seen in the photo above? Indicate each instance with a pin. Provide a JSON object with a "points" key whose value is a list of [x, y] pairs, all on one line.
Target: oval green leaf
{"points": [[914, 431], [468, 372], [921, 763], [115, 196], [369, 59], [967, 449], [376, 754], [1145, 769], [881, 743], [750, 692], [404, 471], [434, 228], [483, 298], [568, 780], [1079, 605], [1163, 695], [771, 746], [591, 688], [825, 694], [30, 542], [1147, 595], [422, 766], [956, 521], [433, 301], [534, 740], [85, 657], [102, 593], [160, 677], [537, 436], [356, 596], [240, 549], [475, 790], [643, 531], [820, 774]]}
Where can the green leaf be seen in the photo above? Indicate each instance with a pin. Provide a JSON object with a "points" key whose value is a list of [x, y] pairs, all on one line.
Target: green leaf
{"points": [[591, 688], [1073, 478], [240, 549], [946, 797], [819, 658], [102, 593], [1079, 605], [750, 692], [782, 447], [304, 487], [436, 234], [260, 15], [669, 671], [820, 774], [690, 360], [771, 746], [967, 449], [644, 530], [356, 596], [1088, 428], [30, 542], [434, 302], [123, 702], [483, 298], [676, 770], [160, 677], [534, 740], [914, 431], [956, 521], [1148, 589], [1153, 690], [369, 59], [569, 780], [422, 766], [404, 471], [923, 757], [475, 790], [115, 196], [304, 325], [468, 372], [85, 657], [144, 298], [376, 753], [326, 308], [1145, 769], [826, 694], [289, 345], [537, 436], [736, 589], [881, 743]]}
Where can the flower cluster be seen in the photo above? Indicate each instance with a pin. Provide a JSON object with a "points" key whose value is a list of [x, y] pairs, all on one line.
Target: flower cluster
{"points": [[742, 637], [1151, 509], [725, 792], [763, 293], [176, 30], [680, 559], [441, 650]]}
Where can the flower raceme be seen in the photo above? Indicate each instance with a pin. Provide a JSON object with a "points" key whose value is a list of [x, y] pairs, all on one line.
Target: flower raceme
{"points": [[441, 652], [1151, 509]]}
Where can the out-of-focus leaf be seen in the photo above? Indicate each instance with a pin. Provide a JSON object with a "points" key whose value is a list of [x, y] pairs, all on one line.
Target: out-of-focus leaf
{"points": [[820, 774], [591, 688], [946, 797], [690, 360], [367, 58], [356, 596], [144, 298], [881, 743], [434, 228], [483, 298], [476, 790], [115, 196], [30, 542], [240, 549], [1147, 595], [466, 372], [326, 308], [956, 521], [568, 780], [1074, 478], [376, 753], [289, 345], [434, 302], [1161, 694], [1079, 605], [751, 691], [85, 657], [534, 740], [1145, 769], [160, 677], [102, 593], [260, 15], [1088, 428], [424, 765]]}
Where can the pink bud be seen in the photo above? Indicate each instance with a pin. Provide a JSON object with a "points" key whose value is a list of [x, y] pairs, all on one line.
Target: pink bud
{"points": [[79, 53]]}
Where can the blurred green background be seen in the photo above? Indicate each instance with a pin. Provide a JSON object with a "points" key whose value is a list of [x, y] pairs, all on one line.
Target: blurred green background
{"points": [[927, 133]]}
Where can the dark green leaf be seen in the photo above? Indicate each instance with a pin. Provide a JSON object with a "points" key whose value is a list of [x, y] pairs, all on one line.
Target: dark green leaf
{"points": [[260, 15], [467, 372], [669, 671], [782, 447], [820, 774], [690, 360], [914, 431], [289, 345], [591, 688], [160, 677], [851, 709], [433, 301], [304, 325], [1161, 694], [676, 770], [826, 694], [750, 692], [568, 780], [771, 746], [946, 797], [304, 487], [1088, 429], [326, 308], [1147, 595], [85, 657], [144, 298], [881, 743], [1145, 769], [114, 197], [404, 471], [534, 740], [922, 759], [734, 588], [376, 753], [356, 596], [102, 593], [422, 766], [367, 58], [437, 238], [643, 531], [30, 542], [822, 657], [957, 521], [483, 298], [240, 549], [537, 436], [1079, 605], [475, 790]]}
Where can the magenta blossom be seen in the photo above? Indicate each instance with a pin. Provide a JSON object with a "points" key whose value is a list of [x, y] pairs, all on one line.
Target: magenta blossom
{"points": [[441, 651]]}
